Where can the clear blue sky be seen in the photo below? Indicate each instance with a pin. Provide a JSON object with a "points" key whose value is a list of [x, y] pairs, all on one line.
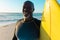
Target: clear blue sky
{"points": [[16, 5], [39, 4]]}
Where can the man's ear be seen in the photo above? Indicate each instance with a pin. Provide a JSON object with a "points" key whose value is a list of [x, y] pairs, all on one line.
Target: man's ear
{"points": [[33, 9]]}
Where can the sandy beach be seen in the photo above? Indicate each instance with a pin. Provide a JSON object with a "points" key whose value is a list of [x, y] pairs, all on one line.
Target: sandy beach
{"points": [[7, 32]]}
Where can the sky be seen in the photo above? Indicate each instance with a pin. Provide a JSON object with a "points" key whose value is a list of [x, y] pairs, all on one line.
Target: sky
{"points": [[16, 5]]}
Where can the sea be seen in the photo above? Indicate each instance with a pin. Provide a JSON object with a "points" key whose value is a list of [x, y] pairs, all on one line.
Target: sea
{"points": [[8, 18]]}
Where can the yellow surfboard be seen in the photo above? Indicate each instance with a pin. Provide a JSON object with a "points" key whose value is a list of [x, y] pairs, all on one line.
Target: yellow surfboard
{"points": [[50, 25]]}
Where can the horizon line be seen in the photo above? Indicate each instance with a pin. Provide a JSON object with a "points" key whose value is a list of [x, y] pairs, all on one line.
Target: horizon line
{"points": [[18, 12]]}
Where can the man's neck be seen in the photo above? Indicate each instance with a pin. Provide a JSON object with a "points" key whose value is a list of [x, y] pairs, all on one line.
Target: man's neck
{"points": [[28, 19]]}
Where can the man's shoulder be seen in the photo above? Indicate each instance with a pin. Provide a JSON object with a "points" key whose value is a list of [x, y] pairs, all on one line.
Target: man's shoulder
{"points": [[20, 21], [39, 21]]}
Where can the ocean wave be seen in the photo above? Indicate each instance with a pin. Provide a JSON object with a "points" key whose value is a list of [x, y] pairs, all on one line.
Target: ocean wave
{"points": [[8, 17]]}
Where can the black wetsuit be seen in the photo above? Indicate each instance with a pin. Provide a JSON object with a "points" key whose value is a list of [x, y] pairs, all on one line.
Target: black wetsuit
{"points": [[29, 30]]}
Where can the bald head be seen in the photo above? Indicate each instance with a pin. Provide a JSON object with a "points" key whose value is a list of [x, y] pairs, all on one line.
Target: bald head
{"points": [[29, 3]]}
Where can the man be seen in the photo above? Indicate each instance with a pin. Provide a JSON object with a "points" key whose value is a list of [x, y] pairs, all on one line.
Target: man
{"points": [[27, 28]]}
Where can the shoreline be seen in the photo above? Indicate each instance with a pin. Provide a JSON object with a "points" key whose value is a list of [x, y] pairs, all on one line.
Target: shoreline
{"points": [[7, 31]]}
